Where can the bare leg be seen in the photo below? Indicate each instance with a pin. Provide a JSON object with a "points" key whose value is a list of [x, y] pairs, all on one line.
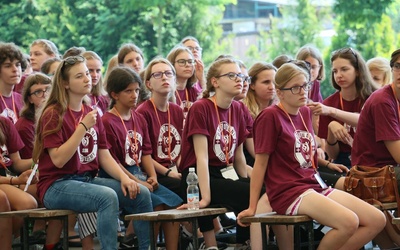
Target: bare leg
{"points": [[209, 239], [5, 224], [87, 243], [171, 232]]}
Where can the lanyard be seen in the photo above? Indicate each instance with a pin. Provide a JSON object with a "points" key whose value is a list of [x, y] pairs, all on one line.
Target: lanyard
{"points": [[80, 118], [341, 102], [169, 126], [135, 149], [291, 121], [395, 97], [222, 129], [13, 103], [187, 98]]}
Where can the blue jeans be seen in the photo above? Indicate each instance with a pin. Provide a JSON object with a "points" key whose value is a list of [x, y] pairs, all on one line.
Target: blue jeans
{"points": [[86, 194]]}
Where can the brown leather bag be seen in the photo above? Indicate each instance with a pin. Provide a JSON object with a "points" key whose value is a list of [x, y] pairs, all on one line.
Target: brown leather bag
{"points": [[372, 183]]}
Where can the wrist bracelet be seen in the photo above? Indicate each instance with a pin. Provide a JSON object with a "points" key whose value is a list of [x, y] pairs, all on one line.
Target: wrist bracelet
{"points": [[167, 173], [11, 180], [331, 144], [83, 124], [327, 164]]}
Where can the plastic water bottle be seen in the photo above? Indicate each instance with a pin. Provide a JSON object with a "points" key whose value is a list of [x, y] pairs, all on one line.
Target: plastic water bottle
{"points": [[192, 190]]}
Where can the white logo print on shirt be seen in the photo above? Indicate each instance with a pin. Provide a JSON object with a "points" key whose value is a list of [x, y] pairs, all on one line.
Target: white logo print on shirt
{"points": [[303, 147], [221, 145]]}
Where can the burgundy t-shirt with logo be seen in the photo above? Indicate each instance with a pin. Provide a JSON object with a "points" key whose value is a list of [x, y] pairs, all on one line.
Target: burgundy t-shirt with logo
{"points": [[85, 159], [26, 130], [13, 143], [222, 136], [11, 106], [289, 171], [165, 135]]}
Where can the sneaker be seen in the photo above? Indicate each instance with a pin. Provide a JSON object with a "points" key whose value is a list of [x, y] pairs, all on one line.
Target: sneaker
{"points": [[227, 222], [220, 246], [245, 246], [203, 246], [128, 242]]}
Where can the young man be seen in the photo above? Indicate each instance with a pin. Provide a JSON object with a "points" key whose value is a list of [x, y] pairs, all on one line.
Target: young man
{"points": [[10, 75]]}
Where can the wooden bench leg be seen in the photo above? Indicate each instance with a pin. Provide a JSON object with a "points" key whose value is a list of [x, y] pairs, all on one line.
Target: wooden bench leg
{"points": [[310, 229], [25, 234], [64, 220], [152, 237], [264, 236], [194, 233]]}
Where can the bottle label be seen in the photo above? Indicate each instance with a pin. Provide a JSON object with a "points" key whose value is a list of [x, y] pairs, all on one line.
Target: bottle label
{"points": [[192, 198]]}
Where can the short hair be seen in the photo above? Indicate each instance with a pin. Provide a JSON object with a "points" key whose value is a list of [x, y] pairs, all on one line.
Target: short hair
{"points": [[10, 51], [395, 55]]}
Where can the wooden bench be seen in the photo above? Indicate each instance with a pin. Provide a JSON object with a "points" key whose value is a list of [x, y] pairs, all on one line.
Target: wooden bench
{"points": [[276, 219], [175, 215], [388, 206], [396, 220], [40, 213]]}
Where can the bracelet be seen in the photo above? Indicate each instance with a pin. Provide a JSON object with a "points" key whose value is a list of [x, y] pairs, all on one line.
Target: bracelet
{"points": [[327, 164], [83, 124], [167, 173], [331, 144], [11, 180]]}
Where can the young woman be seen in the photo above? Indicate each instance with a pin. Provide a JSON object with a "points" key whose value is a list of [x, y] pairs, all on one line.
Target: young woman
{"points": [[130, 55], [312, 55], [339, 112], [97, 95], [70, 146], [127, 132], [10, 75], [165, 122], [194, 46], [13, 197], [50, 66], [40, 51], [286, 162], [377, 141], [184, 63], [380, 70], [213, 143]]}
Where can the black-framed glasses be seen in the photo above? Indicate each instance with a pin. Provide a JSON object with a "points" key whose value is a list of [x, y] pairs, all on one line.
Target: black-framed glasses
{"points": [[199, 49], [40, 92], [183, 62], [396, 67], [297, 89], [159, 74], [233, 76], [247, 79]]}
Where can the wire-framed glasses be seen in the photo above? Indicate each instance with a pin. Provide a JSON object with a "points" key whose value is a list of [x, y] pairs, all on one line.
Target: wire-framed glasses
{"points": [[297, 89]]}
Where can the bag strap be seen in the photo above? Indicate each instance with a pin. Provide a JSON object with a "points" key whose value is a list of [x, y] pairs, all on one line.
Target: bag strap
{"points": [[394, 183]]}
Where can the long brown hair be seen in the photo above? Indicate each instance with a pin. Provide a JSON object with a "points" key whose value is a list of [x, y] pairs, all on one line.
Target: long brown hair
{"points": [[56, 104]]}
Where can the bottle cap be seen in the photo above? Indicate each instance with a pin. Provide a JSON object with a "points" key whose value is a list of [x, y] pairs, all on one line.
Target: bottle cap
{"points": [[191, 169]]}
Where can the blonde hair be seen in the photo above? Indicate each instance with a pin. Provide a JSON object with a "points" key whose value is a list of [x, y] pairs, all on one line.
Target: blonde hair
{"points": [[250, 100], [214, 71], [382, 65], [286, 73], [48, 46], [97, 90]]}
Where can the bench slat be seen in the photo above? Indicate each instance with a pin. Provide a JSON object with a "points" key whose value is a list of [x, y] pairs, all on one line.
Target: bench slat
{"points": [[36, 213], [396, 220], [175, 214], [276, 218]]}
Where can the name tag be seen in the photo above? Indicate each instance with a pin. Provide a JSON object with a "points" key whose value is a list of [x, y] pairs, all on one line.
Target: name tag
{"points": [[229, 173], [320, 181]]}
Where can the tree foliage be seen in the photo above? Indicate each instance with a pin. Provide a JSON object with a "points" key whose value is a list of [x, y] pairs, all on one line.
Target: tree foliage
{"points": [[103, 25]]}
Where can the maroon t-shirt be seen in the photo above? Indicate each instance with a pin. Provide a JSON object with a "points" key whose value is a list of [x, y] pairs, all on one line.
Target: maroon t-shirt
{"points": [[224, 136], [185, 102], [123, 148], [85, 158], [289, 170], [159, 135], [248, 119], [26, 130], [11, 106], [378, 122], [100, 102], [349, 106], [315, 94], [13, 142]]}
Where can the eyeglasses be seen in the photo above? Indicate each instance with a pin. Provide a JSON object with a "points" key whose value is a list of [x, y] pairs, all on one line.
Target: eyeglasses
{"points": [[396, 67], [233, 76], [40, 92], [247, 79], [71, 60], [159, 74], [183, 62], [315, 67], [302, 64], [199, 49], [297, 89]]}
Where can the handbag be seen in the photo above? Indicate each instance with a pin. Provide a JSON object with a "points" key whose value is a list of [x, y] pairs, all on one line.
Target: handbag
{"points": [[376, 186]]}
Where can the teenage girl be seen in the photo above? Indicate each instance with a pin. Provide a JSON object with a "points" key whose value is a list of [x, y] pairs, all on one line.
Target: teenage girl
{"points": [[70, 146], [130, 55], [127, 132], [213, 143], [286, 163], [40, 51]]}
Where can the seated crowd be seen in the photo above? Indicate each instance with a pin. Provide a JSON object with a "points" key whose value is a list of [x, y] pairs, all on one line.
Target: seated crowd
{"points": [[261, 139]]}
